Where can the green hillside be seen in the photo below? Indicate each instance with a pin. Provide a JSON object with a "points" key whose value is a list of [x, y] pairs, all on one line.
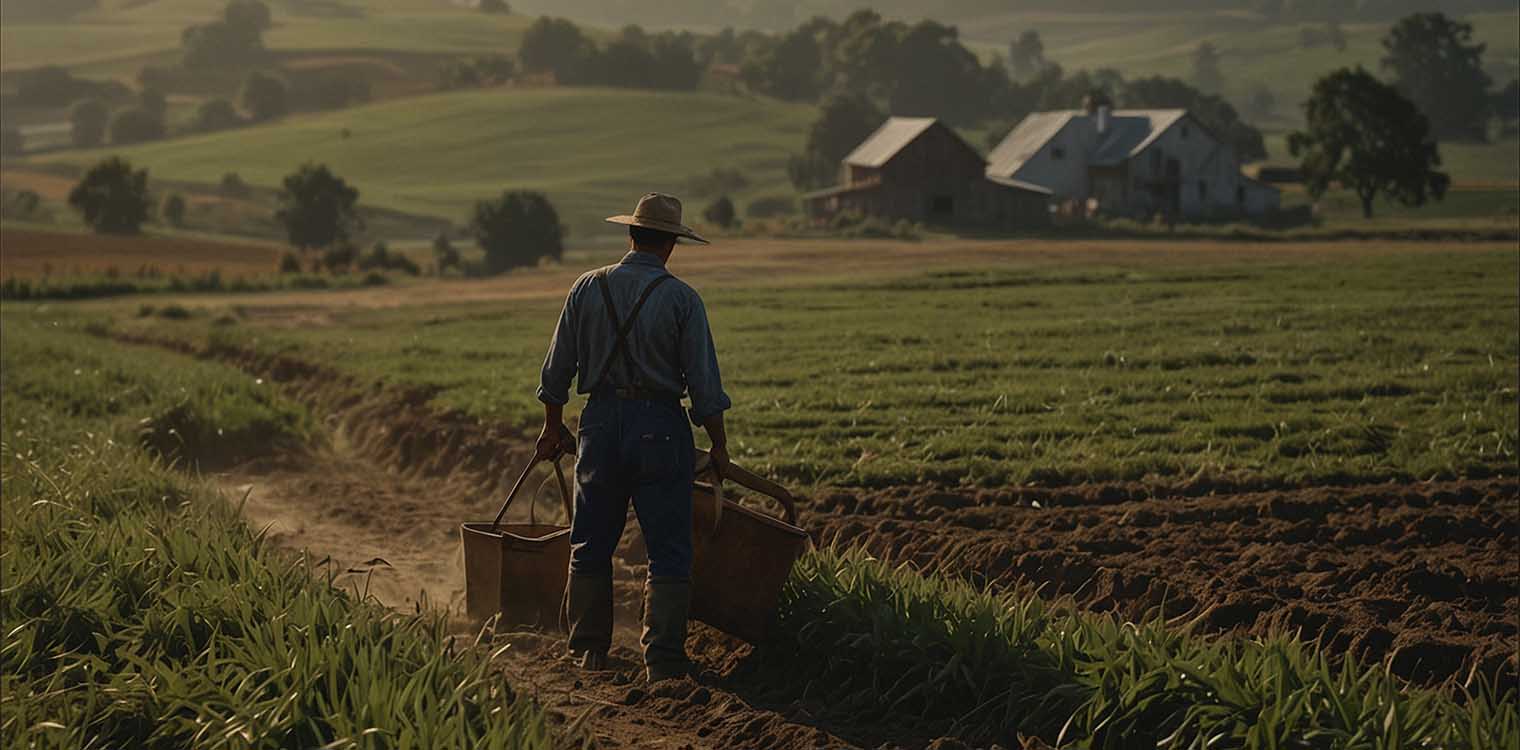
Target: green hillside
{"points": [[128, 33], [593, 151]]}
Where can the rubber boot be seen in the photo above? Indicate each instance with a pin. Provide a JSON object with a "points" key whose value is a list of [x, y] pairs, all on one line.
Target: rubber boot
{"points": [[666, 603], [588, 602]]}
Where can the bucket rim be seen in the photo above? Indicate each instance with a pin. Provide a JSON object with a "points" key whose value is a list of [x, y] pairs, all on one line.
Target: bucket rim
{"points": [[505, 530], [730, 506]]}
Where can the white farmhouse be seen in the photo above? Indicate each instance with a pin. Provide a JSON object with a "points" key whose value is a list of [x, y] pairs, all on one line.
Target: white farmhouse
{"points": [[1131, 162]]}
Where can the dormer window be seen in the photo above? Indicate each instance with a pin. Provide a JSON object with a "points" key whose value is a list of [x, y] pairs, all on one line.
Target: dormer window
{"points": [[1058, 152]]}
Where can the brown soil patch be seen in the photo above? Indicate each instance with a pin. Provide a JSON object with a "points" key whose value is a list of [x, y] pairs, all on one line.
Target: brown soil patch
{"points": [[1423, 576], [30, 253]]}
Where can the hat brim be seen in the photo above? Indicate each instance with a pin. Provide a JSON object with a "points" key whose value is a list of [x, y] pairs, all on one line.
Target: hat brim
{"points": [[679, 230]]}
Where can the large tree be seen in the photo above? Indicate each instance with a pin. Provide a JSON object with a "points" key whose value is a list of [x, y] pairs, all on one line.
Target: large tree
{"points": [[1363, 134], [555, 45], [1435, 63], [112, 197], [317, 207], [516, 230], [843, 122]]}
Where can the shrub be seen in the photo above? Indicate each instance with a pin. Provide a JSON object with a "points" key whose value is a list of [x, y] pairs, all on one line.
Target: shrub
{"points": [[232, 186], [21, 204], [136, 125], [768, 206], [381, 258], [263, 96], [720, 213], [112, 197], [216, 114], [517, 229], [173, 209], [494, 6], [339, 256], [289, 263], [88, 119], [444, 254]]}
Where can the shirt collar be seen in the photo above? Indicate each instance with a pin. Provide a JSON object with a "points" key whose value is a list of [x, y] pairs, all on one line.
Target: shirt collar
{"points": [[637, 258]]}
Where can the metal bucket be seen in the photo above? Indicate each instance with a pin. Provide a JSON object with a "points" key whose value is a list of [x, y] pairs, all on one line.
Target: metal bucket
{"points": [[518, 570], [741, 558]]}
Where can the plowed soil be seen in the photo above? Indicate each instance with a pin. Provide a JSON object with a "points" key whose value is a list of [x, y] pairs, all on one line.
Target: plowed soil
{"points": [[1424, 576]]}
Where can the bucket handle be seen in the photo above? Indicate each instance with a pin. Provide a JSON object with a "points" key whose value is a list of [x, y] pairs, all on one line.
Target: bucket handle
{"points": [[564, 493], [748, 479]]}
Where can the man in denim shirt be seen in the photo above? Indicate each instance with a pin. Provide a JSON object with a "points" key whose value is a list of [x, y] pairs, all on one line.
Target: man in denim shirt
{"points": [[636, 339]]}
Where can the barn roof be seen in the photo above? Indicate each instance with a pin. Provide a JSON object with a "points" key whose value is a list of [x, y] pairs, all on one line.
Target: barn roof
{"points": [[1129, 132], [893, 135]]}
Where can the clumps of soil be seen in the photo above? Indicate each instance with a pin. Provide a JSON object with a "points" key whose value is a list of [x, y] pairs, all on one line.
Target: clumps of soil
{"points": [[208, 432], [1423, 575]]}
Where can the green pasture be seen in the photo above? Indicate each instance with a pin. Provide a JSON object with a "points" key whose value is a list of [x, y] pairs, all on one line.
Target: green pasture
{"points": [[1315, 369], [1253, 52], [593, 151], [141, 612]]}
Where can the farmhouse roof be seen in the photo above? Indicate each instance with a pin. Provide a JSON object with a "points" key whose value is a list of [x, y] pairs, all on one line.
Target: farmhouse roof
{"points": [[1129, 131], [893, 135]]}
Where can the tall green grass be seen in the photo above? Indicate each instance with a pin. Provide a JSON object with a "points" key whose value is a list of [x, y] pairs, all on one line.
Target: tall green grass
{"points": [[886, 644], [140, 612]]}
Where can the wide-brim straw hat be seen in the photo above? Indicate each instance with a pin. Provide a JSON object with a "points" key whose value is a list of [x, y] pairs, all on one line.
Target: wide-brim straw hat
{"points": [[659, 212]]}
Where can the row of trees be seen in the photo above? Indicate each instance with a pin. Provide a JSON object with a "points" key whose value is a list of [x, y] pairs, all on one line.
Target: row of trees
{"points": [[635, 58], [320, 213]]}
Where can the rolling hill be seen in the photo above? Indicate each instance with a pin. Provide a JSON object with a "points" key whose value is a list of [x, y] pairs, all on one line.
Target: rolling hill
{"points": [[593, 151]]}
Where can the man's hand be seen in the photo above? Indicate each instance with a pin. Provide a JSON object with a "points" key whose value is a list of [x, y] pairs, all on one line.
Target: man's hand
{"points": [[718, 453], [719, 460], [551, 441]]}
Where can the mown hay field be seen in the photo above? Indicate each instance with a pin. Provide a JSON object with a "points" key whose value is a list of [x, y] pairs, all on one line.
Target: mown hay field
{"points": [[27, 253]]}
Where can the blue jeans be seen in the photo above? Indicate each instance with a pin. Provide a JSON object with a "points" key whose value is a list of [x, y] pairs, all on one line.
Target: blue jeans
{"points": [[638, 450]]}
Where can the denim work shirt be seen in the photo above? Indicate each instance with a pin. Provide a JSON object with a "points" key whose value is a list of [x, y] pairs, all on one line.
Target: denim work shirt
{"points": [[671, 343]]}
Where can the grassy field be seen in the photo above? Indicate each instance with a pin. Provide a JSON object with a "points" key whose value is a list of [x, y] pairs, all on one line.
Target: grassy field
{"points": [[1253, 53], [141, 612], [593, 151], [1043, 365], [113, 38]]}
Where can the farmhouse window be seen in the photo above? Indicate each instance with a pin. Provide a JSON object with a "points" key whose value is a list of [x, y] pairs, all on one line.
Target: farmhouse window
{"points": [[1058, 152], [1156, 161], [1240, 194], [1184, 132], [1203, 190]]}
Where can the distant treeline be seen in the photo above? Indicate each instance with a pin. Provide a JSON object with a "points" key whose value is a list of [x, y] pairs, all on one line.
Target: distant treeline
{"points": [[779, 14]]}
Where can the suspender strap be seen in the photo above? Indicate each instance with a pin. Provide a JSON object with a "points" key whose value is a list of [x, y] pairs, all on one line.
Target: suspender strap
{"points": [[624, 327]]}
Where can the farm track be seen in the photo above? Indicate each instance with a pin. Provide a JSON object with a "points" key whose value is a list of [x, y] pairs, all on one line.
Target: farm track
{"points": [[1420, 575]]}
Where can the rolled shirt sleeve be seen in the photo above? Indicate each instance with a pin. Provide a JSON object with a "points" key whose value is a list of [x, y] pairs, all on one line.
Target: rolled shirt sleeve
{"points": [[560, 363], [699, 363]]}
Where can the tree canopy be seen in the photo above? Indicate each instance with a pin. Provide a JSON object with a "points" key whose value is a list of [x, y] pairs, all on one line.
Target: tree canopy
{"points": [[1363, 134], [517, 229], [112, 197], [89, 118], [263, 96], [843, 122], [317, 207], [1436, 64]]}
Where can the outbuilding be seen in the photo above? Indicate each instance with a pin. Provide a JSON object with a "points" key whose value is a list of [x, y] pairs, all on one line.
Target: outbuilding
{"points": [[918, 169]]}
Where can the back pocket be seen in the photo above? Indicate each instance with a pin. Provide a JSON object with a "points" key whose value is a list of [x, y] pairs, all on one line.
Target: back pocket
{"points": [[657, 457]]}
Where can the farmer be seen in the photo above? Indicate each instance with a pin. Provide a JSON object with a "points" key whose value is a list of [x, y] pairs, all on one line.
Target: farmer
{"points": [[636, 338]]}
